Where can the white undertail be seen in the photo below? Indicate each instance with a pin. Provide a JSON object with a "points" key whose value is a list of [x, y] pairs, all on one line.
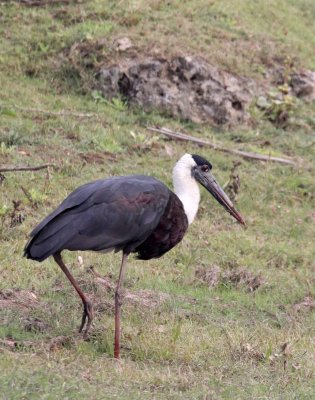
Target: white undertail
{"points": [[186, 186]]}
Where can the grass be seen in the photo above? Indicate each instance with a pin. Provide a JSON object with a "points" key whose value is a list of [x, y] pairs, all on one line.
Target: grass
{"points": [[201, 343]]}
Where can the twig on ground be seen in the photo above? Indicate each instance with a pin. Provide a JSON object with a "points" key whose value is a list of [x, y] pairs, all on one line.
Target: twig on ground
{"points": [[10, 168], [28, 196], [202, 142]]}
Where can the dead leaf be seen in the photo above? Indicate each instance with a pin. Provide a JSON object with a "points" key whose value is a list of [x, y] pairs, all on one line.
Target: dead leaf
{"points": [[123, 44], [250, 352], [169, 150], [307, 304], [161, 329]]}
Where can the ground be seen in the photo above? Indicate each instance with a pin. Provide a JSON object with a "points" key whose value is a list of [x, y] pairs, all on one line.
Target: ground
{"points": [[228, 313]]}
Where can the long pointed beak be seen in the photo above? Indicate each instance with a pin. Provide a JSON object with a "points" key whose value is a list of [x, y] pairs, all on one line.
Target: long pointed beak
{"points": [[208, 181]]}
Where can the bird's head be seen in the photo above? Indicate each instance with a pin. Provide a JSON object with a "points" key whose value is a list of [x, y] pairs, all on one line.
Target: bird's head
{"points": [[199, 169]]}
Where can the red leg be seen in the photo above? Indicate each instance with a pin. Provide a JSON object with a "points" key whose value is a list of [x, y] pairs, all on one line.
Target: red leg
{"points": [[87, 305], [118, 304]]}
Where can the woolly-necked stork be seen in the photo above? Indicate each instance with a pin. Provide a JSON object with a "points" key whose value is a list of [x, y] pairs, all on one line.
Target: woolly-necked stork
{"points": [[134, 214]]}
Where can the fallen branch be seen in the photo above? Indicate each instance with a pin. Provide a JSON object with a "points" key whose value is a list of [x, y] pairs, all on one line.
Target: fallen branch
{"points": [[202, 142], [8, 168], [102, 280]]}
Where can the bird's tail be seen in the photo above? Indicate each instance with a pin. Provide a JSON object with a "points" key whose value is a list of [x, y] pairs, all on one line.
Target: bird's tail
{"points": [[30, 251], [37, 250], [47, 241]]}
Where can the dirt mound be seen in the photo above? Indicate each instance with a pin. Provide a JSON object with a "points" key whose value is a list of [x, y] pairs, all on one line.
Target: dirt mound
{"points": [[52, 344], [18, 298], [307, 304], [184, 87], [237, 277], [144, 298]]}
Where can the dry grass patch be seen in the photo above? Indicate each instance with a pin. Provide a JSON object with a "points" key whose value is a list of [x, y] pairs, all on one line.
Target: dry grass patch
{"points": [[237, 277]]}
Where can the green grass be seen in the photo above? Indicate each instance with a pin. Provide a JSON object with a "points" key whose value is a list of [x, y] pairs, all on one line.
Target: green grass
{"points": [[200, 343]]}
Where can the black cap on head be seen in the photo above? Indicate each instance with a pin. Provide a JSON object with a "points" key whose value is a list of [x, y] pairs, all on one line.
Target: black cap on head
{"points": [[201, 161]]}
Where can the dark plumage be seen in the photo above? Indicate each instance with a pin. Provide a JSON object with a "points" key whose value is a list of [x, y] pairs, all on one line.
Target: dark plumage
{"points": [[169, 231], [200, 161], [113, 214], [132, 214]]}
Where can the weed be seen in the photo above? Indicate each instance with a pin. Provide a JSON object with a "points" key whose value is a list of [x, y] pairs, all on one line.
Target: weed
{"points": [[117, 103], [5, 149]]}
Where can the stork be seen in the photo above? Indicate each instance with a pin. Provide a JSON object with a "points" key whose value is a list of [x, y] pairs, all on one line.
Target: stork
{"points": [[133, 214]]}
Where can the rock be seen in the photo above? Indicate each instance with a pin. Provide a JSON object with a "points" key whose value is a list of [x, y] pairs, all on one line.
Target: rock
{"points": [[262, 102], [185, 87], [123, 44], [303, 84], [300, 83]]}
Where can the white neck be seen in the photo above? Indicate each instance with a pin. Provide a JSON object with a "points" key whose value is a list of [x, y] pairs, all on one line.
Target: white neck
{"points": [[186, 187]]}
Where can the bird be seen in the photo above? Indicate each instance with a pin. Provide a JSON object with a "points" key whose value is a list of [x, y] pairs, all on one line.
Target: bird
{"points": [[132, 214]]}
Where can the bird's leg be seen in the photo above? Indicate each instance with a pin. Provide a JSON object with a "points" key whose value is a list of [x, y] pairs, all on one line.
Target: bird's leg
{"points": [[118, 304], [87, 305]]}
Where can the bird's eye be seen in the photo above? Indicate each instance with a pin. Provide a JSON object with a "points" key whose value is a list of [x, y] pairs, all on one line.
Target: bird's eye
{"points": [[205, 168]]}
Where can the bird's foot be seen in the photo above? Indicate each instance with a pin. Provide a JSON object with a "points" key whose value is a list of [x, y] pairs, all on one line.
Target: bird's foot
{"points": [[87, 318]]}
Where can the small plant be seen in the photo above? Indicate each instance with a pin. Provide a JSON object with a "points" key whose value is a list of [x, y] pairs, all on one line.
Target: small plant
{"points": [[103, 142], [37, 196], [97, 96], [176, 332], [11, 139], [5, 149], [34, 196], [4, 210], [116, 102], [143, 141], [7, 112], [278, 106]]}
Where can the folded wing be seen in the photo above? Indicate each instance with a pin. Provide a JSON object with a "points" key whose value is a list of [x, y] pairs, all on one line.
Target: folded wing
{"points": [[117, 213]]}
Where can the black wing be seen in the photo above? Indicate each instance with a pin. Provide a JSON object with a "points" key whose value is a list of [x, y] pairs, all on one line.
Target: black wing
{"points": [[116, 213]]}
